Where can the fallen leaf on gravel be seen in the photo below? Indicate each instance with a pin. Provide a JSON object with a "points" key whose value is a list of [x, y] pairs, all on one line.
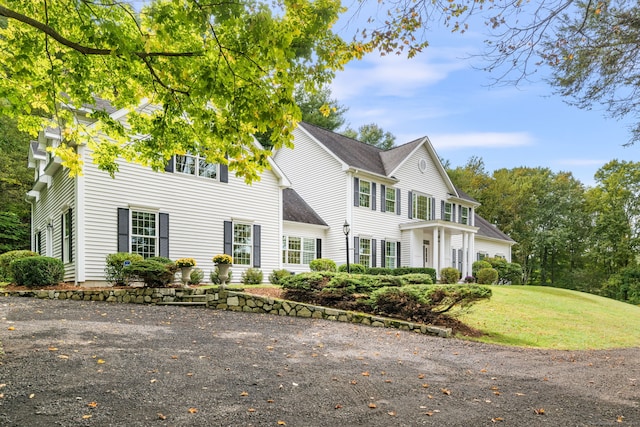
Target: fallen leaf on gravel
{"points": [[162, 417], [539, 411], [31, 396], [3, 385], [1, 395], [365, 374], [445, 391], [244, 393], [497, 393], [86, 417], [53, 349], [100, 361], [11, 328], [193, 410], [92, 404], [392, 413], [354, 382], [425, 385], [338, 406], [619, 419], [153, 380], [429, 413], [63, 356], [282, 423], [189, 374], [387, 381], [520, 394], [497, 419], [372, 405], [270, 401], [251, 410], [429, 396], [420, 376]]}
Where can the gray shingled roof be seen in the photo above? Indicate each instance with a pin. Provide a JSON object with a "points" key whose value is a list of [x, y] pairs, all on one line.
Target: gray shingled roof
{"points": [[464, 195], [295, 209], [486, 229], [396, 155]]}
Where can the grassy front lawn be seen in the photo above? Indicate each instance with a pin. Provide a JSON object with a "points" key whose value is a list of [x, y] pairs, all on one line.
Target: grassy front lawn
{"points": [[546, 317]]}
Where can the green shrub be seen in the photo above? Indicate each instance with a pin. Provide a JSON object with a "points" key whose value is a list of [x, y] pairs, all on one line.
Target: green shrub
{"points": [[114, 268], [449, 275], [252, 276], [417, 279], [215, 280], [154, 273], [37, 271], [354, 268], [624, 286], [479, 265], [487, 276], [377, 271], [196, 276], [8, 257], [511, 275], [401, 271], [322, 264], [277, 276]]}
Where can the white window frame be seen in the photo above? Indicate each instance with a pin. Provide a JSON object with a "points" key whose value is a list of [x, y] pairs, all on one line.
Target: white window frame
{"points": [[464, 215], [390, 202], [448, 211], [415, 203], [305, 253], [198, 165], [482, 255], [238, 244], [363, 253], [66, 233], [390, 257], [155, 238], [364, 197]]}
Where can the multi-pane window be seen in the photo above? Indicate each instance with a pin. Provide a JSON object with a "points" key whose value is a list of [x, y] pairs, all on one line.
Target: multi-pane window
{"points": [[144, 233], [390, 200], [482, 255], [297, 250], [365, 193], [464, 215], [364, 251], [390, 254], [421, 207], [448, 211], [196, 165], [66, 240], [242, 244], [38, 245]]}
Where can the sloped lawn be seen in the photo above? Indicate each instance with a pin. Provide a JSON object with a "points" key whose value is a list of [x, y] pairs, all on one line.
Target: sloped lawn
{"points": [[546, 317]]}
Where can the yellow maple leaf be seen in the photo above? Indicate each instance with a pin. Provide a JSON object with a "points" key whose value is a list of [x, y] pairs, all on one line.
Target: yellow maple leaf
{"points": [[193, 410]]}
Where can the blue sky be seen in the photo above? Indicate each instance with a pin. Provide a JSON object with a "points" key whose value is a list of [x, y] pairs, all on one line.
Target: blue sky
{"points": [[442, 94]]}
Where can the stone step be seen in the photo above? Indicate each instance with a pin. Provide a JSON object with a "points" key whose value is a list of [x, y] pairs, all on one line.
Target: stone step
{"points": [[182, 303], [193, 296]]}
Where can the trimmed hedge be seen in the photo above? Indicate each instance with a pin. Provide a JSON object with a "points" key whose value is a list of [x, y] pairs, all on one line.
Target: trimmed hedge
{"points": [[402, 271], [7, 258], [487, 276], [322, 264], [252, 276], [37, 271], [353, 268], [153, 272], [449, 275], [114, 267], [277, 276]]}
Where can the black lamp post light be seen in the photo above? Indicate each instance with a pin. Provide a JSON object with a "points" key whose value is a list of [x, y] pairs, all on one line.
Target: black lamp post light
{"points": [[345, 229]]}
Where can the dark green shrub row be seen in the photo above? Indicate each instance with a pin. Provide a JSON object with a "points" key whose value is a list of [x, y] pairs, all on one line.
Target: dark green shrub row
{"points": [[624, 286], [155, 272], [403, 271], [353, 268], [37, 271], [509, 273], [7, 258]]}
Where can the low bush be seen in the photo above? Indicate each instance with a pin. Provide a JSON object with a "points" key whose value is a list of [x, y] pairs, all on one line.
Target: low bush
{"points": [[37, 271], [277, 276], [7, 258], [479, 265], [196, 276], [353, 268], [401, 271], [449, 275], [114, 267], [214, 276], [322, 264], [417, 279], [487, 276], [469, 279], [252, 276], [378, 271], [152, 272]]}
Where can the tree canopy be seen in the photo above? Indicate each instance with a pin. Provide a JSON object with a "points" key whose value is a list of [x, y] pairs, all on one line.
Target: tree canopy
{"points": [[372, 134], [218, 72]]}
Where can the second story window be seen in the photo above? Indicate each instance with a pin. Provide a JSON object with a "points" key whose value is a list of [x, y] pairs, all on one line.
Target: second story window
{"points": [[448, 211], [464, 215], [390, 200], [196, 165], [421, 207], [365, 193]]}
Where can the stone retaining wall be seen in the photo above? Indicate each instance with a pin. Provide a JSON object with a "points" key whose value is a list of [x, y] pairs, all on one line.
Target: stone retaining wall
{"points": [[223, 299]]}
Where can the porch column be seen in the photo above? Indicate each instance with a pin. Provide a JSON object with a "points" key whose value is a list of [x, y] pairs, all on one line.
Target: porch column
{"points": [[472, 252], [442, 248], [465, 256], [436, 251]]}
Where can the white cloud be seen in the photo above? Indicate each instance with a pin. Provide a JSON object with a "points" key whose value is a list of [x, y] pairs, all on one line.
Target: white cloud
{"points": [[454, 141]]}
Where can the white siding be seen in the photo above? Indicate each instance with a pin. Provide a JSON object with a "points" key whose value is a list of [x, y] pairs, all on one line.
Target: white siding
{"points": [[303, 231], [197, 209], [492, 248]]}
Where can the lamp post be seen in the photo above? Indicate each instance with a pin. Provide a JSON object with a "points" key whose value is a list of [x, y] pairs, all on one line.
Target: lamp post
{"points": [[345, 230]]}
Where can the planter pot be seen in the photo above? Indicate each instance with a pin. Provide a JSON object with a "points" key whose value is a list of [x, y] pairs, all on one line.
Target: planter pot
{"points": [[223, 273], [186, 275]]}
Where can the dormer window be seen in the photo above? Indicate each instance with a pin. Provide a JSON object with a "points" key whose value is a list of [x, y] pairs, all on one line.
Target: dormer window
{"points": [[195, 165]]}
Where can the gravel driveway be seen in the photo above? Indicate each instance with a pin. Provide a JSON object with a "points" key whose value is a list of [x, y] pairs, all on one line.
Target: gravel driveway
{"points": [[70, 363]]}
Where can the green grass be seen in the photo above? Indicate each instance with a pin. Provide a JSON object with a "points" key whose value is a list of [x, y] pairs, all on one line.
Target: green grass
{"points": [[553, 318]]}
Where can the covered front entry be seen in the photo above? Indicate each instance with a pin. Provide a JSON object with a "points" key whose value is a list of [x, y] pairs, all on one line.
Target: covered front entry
{"points": [[439, 244]]}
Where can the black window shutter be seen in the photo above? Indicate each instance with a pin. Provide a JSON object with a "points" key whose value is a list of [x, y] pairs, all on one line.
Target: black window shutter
{"points": [[373, 196], [398, 252], [459, 213], [373, 252], [123, 230], [224, 173], [169, 166], [39, 242], [383, 198], [318, 248], [356, 192], [470, 222], [356, 250], [163, 248], [460, 260], [70, 213], [442, 210], [433, 208], [228, 238], [453, 258], [383, 253], [398, 209], [256, 246], [62, 248], [410, 204]]}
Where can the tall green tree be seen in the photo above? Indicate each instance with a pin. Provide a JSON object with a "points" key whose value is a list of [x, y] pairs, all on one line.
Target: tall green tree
{"points": [[320, 108], [220, 72], [372, 134]]}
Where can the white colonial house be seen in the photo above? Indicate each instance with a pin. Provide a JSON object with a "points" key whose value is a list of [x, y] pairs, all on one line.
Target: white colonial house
{"points": [[401, 207]]}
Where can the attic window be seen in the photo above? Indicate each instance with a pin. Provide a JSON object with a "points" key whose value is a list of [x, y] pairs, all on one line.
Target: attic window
{"points": [[196, 165]]}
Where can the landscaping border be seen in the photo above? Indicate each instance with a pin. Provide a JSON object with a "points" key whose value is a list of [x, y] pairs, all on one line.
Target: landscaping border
{"points": [[223, 299]]}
